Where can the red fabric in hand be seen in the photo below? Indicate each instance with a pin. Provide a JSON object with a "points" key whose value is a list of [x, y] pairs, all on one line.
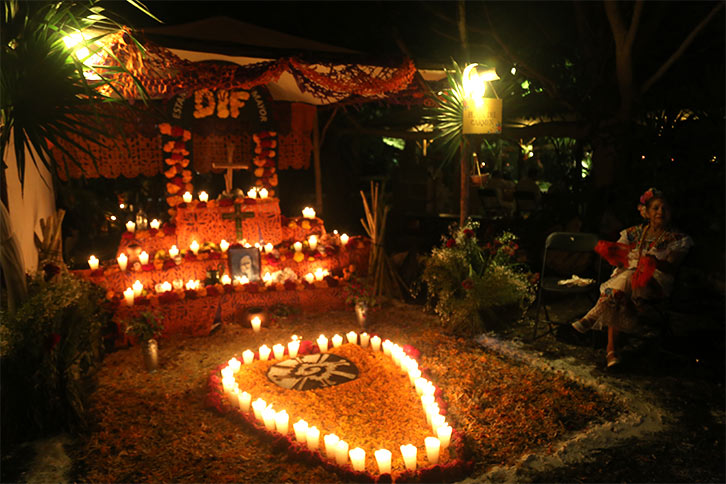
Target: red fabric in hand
{"points": [[644, 272], [616, 254]]}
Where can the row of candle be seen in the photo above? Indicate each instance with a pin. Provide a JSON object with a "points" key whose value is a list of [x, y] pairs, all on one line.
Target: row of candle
{"points": [[335, 448]]}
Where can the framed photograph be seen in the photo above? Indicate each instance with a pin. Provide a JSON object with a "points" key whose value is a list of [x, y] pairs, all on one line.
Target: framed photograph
{"points": [[244, 261]]}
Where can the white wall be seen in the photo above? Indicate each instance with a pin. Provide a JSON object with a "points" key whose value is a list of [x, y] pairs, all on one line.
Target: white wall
{"points": [[36, 202]]}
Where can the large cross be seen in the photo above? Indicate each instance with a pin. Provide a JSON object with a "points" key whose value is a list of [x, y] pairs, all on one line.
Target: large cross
{"points": [[238, 215], [230, 166]]}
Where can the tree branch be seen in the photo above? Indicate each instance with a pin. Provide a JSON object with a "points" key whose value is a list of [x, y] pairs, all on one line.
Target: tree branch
{"points": [[635, 21], [681, 49], [616, 23]]}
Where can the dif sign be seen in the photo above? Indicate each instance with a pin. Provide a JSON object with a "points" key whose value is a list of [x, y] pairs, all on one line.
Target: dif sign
{"points": [[482, 116]]}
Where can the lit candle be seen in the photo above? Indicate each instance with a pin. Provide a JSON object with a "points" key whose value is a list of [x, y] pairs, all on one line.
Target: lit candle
{"points": [[427, 400], [144, 258], [256, 322], [292, 348], [155, 224], [312, 438], [173, 252], [264, 352], [383, 458], [227, 372], [129, 296], [244, 401], [93, 262], [263, 193], [419, 383], [409, 456], [297, 246], [187, 197], [301, 428], [330, 441], [226, 279], [248, 357], [177, 284], [352, 337], [279, 351], [244, 280], [234, 365], [319, 274], [194, 246], [387, 347], [309, 277], [268, 417], [429, 388], [341, 452], [358, 459], [233, 394], [337, 340], [228, 383], [130, 226], [444, 434], [267, 279], [432, 449], [252, 192], [138, 288], [122, 261], [268, 248], [437, 421], [431, 410], [414, 373], [166, 286], [203, 197], [257, 407], [376, 343], [364, 339], [322, 343], [224, 245], [308, 212], [344, 239], [313, 242], [282, 421]]}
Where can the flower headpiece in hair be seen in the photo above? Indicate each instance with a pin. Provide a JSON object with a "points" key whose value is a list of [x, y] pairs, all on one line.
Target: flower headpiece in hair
{"points": [[644, 198]]}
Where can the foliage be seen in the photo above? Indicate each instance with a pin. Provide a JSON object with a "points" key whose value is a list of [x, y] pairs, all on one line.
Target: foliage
{"points": [[464, 280], [448, 115], [357, 290], [52, 347], [145, 326]]}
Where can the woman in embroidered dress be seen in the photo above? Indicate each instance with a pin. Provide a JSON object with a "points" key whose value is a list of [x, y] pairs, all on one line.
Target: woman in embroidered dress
{"points": [[646, 257]]}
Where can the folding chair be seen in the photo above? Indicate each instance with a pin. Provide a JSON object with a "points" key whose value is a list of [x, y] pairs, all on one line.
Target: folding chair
{"points": [[569, 242]]}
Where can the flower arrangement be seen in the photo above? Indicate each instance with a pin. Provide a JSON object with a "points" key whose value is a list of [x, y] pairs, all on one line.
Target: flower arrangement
{"points": [[358, 292], [147, 325], [465, 281]]}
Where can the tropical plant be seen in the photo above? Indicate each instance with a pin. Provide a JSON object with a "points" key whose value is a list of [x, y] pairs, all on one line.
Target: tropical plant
{"points": [[448, 114], [465, 281]]}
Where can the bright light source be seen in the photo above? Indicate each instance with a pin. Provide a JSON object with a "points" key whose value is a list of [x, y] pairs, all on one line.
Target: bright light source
{"points": [[83, 54], [514, 71]]}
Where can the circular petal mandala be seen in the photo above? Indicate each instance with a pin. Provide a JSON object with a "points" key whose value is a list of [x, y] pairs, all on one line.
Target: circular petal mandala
{"points": [[312, 371]]}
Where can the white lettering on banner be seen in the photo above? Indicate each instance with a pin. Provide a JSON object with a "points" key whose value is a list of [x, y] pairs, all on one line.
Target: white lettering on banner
{"points": [[176, 112], [260, 106], [226, 103]]}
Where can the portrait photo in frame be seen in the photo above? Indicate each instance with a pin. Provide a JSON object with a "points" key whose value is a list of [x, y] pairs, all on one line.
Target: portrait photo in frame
{"points": [[244, 261]]}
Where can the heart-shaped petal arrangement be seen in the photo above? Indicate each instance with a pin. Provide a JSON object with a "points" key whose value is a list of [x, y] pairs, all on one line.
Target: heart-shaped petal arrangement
{"points": [[364, 408]]}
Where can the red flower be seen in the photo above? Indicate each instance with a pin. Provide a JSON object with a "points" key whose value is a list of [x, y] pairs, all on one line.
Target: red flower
{"points": [[469, 233], [450, 243], [226, 202], [169, 229], [169, 264], [467, 284], [127, 235]]}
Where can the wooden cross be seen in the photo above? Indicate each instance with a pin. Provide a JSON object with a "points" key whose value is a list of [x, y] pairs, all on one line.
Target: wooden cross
{"points": [[238, 215], [230, 166]]}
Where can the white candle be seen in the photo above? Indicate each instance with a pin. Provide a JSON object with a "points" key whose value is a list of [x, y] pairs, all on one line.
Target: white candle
{"points": [[309, 277], [174, 251], [409, 456], [203, 197], [190, 285], [431, 410], [279, 351], [297, 246], [337, 340], [319, 274], [432, 449], [93, 262], [130, 226], [444, 434], [312, 438], [194, 246], [413, 374], [226, 279], [224, 245], [344, 239], [155, 224], [252, 192], [341, 452], [437, 421], [419, 383], [292, 348], [313, 242], [264, 352], [268, 248], [308, 212], [187, 197], [364, 339], [358, 459], [267, 279], [129, 296], [263, 193], [427, 400], [352, 337], [138, 288], [268, 417], [301, 428], [256, 323], [228, 383], [322, 343], [122, 261], [244, 401], [177, 284], [282, 422], [248, 357], [376, 343], [387, 347], [429, 388], [227, 372], [244, 280], [330, 441], [234, 365], [144, 258], [383, 458], [257, 407]]}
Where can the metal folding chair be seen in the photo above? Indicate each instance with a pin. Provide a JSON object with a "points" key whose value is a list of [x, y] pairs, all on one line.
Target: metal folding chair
{"points": [[572, 242]]}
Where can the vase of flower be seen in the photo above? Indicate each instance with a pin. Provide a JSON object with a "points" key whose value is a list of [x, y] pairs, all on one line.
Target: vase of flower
{"points": [[360, 295], [361, 313], [150, 349], [145, 327]]}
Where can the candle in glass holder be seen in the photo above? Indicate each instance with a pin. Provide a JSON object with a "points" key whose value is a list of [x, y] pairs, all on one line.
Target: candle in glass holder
{"points": [[293, 347], [364, 339], [93, 262], [308, 212], [376, 343], [225, 279], [203, 196], [279, 351], [409, 456], [330, 441], [248, 356], [322, 343], [341, 452], [244, 401], [432, 449], [144, 258], [310, 277], [224, 245], [297, 246], [268, 417], [138, 288], [383, 458], [300, 428], [257, 407], [337, 340], [312, 438], [187, 197], [282, 421], [313, 242], [194, 246], [129, 296], [352, 337], [344, 239], [358, 459], [256, 323], [130, 226], [444, 434], [264, 352], [155, 224], [263, 193], [174, 251], [122, 261]]}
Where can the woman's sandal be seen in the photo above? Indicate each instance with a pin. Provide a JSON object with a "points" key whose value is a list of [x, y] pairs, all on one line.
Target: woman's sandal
{"points": [[613, 359]]}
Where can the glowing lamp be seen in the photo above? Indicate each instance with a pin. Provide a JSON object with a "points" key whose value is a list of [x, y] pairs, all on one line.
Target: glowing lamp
{"points": [[481, 115]]}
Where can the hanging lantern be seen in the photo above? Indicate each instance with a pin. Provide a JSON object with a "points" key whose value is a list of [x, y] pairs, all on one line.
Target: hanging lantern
{"points": [[482, 115]]}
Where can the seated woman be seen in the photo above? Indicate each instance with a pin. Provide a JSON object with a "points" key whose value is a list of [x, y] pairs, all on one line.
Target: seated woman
{"points": [[646, 257]]}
